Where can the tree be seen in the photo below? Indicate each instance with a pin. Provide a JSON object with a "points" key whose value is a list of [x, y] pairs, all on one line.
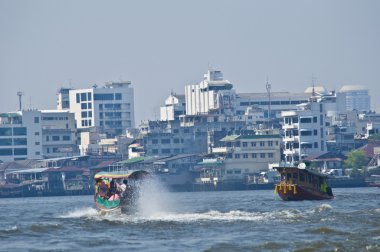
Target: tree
{"points": [[356, 160]]}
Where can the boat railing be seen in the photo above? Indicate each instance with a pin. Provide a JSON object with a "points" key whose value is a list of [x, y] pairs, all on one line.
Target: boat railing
{"points": [[285, 187]]}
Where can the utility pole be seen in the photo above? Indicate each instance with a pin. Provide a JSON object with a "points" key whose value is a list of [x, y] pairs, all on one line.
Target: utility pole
{"points": [[19, 94]]}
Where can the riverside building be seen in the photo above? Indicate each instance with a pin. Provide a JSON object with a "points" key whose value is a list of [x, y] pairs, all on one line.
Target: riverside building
{"points": [[37, 134]]}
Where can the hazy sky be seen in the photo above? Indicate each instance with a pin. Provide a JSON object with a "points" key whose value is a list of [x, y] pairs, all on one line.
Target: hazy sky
{"points": [[163, 45]]}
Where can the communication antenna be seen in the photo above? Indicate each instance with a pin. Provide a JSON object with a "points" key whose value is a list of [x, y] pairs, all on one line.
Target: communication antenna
{"points": [[268, 86], [20, 94]]}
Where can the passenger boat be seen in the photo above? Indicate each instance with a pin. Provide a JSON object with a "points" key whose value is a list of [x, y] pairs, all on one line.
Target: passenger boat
{"points": [[300, 183], [117, 190]]}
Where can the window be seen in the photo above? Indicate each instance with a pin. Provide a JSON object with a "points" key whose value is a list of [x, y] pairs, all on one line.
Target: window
{"points": [[262, 155], [315, 119], [83, 106], [5, 131], [118, 96], [270, 143], [315, 145], [165, 141], [245, 144], [6, 152], [66, 138], [78, 98], [37, 153], [84, 114], [253, 144], [315, 132], [36, 133], [306, 133], [37, 143], [19, 131], [55, 138], [89, 105], [103, 97], [55, 150], [89, 123], [262, 143], [175, 140], [245, 155], [19, 141], [100, 106], [47, 138], [89, 113], [237, 171], [276, 143], [305, 120], [6, 142], [270, 155], [89, 97], [20, 152], [237, 156], [36, 120], [83, 96], [154, 141], [155, 151], [254, 155]]}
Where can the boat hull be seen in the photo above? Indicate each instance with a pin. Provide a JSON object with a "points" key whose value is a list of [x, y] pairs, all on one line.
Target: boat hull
{"points": [[303, 193]]}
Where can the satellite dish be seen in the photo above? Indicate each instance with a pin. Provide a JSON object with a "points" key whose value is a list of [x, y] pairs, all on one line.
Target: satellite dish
{"points": [[302, 166]]}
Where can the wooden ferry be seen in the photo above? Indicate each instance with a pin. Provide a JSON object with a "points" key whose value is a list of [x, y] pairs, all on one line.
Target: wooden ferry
{"points": [[117, 190], [300, 183]]}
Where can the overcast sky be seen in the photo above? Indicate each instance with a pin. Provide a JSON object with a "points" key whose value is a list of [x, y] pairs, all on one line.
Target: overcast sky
{"points": [[161, 46]]}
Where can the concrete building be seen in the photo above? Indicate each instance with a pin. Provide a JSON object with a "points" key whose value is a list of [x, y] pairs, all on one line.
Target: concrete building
{"points": [[63, 99], [305, 129], [250, 154], [110, 107], [36, 134], [213, 95], [357, 98], [175, 106]]}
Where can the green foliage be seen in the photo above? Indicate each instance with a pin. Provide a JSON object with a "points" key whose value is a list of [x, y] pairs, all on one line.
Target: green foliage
{"points": [[356, 159]]}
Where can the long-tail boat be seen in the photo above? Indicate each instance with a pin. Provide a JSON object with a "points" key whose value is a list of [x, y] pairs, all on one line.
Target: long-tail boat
{"points": [[300, 183], [117, 190]]}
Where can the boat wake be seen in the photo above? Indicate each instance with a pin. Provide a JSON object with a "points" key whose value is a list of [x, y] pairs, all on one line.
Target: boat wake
{"points": [[80, 213]]}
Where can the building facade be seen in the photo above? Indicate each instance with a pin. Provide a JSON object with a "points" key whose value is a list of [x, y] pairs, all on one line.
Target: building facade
{"points": [[175, 106], [36, 134], [110, 107], [357, 98]]}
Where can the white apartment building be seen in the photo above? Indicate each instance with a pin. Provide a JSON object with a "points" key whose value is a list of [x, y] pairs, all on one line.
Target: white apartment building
{"points": [[213, 95], [305, 129], [357, 98], [36, 134], [109, 107], [174, 107]]}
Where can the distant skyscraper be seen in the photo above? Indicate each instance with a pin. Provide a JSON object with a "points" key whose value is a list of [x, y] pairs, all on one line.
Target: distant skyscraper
{"points": [[357, 98]]}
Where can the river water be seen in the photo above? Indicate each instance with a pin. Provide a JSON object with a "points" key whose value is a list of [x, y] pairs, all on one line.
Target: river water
{"points": [[198, 221]]}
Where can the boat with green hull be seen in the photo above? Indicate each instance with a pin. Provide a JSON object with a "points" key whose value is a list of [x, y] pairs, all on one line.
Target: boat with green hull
{"points": [[117, 190]]}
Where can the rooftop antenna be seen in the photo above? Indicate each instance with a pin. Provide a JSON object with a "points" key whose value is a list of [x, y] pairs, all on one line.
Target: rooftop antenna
{"points": [[20, 94], [268, 86], [313, 79]]}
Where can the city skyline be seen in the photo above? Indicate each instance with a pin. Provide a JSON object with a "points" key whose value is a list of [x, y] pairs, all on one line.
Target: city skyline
{"points": [[167, 45]]}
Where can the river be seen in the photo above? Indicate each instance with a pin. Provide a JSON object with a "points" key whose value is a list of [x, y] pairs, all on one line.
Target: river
{"points": [[196, 221]]}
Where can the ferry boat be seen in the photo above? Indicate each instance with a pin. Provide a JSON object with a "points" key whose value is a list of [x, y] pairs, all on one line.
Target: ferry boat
{"points": [[300, 183], [117, 190]]}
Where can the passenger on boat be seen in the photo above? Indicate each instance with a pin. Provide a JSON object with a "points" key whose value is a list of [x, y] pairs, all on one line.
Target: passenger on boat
{"points": [[113, 188]]}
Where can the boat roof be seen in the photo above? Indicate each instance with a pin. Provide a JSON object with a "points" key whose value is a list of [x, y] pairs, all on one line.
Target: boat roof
{"points": [[282, 168], [121, 174]]}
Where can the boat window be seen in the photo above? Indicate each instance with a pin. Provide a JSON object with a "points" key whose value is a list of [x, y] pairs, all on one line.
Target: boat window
{"points": [[288, 176], [295, 177], [302, 177]]}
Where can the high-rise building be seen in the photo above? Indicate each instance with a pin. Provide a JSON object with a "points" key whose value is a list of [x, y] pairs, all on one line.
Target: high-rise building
{"points": [[357, 98], [110, 107], [213, 95], [174, 107]]}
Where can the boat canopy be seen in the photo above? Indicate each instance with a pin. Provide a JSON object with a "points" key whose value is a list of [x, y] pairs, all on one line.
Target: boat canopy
{"points": [[121, 175], [284, 169]]}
